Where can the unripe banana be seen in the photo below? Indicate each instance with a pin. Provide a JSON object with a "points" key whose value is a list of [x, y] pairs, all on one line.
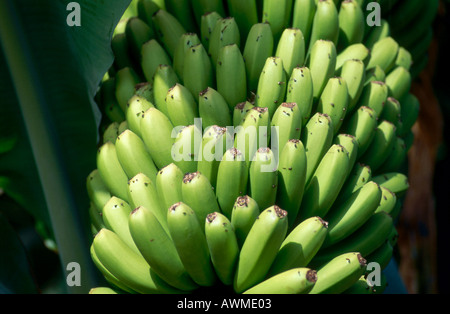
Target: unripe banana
{"points": [[232, 180], [103, 290], [291, 49], [291, 178], [164, 78], [146, 9], [197, 70], [168, 185], [362, 286], [300, 245], [346, 218], [123, 126], [182, 11], [325, 24], [354, 73], [190, 242], [399, 82], [134, 157], [119, 46], [396, 182], [300, 90], [286, 124], [240, 111], [230, 75], [374, 95], [339, 273], [397, 157], [157, 248], [168, 30], [223, 246], [258, 47], [358, 176], [334, 101], [181, 105], [208, 21], [186, 148], [277, 13], [111, 133], [145, 90], [303, 16], [410, 107], [152, 56], [375, 74], [225, 32], [272, 85], [384, 53], [157, 131], [136, 107], [392, 111], [137, 32], [186, 41], [109, 102], [142, 192], [382, 255], [351, 23], [381, 145], [378, 33], [404, 58], [126, 80], [243, 215], [326, 182], [263, 177], [212, 150], [317, 138], [127, 266], [260, 248], [355, 51], [322, 64], [387, 201], [293, 281], [98, 192], [111, 171], [202, 7]]}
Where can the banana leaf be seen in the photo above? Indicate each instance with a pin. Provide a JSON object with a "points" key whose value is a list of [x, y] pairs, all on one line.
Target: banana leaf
{"points": [[49, 74]]}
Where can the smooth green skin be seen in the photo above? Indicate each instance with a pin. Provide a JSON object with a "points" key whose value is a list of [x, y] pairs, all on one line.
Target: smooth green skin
{"points": [[263, 178], [213, 109], [291, 49], [111, 132], [232, 180], [240, 111], [399, 82], [168, 30], [351, 23], [374, 95], [375, 74], [108, 101], [156, 246], [128, 267], [133, 156], [334, 101], [198, 193], [189, 239], [300, 245], [181, 105], [201, 7], [231, 76], [359, 175], [225, 32], [97, 191], [168, 185], [345, 219], [102, 290], [243, 216], [303, 16], [165, 78], [260, 248], [351, 146], [208, 21], [392, 111], [354, 74], [186, 41], [145, 90], [197, 70], [246, 15], [157, 132], [294, 281], [111, 172], [356, 51], [377, 33], [277, 14], [119, 46], [291, 178], [325, 24], [410, 107], [384, 53], [186, 149], [182, 11], [137, 106], [152, 55], [396, 182], [272, 85], [404, 58], [382, 255], [126, 80], [397, 157], [223, 246], [326, 182], [387, 202], [300, 91], [137, 32], [339, 274], [258, 47], [142, 192]]}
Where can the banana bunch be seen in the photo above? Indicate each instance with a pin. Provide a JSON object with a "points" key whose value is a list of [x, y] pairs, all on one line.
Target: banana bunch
{"points": [[253, 147]]}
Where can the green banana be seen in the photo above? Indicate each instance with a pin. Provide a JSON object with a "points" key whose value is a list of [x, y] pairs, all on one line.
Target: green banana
{"points": [[168, 185], [323, 188], [263, 177], [126, 80], [137, 32], [317, 138], [325, 24], [359, 175], [240, 111], [374, 95], [232, 180], [103, 290], [356, 51], [108, 101], [202, 7], [362, 286], [375, 74], [291, 178], [230, 75], [302, 17], [398, 82], [111, 132], [128, 267], [212, 150], [136, 107], [375, 34], [397, 157], [409, 113], [354, 74], [381, 145], [404, 58], [350, 144], [186, 148], [146, 9], [246, 15], [243, 215], [111, 171], [152, 56], [190, 242], [168, 30], [291, 49], [260, 248], [164, 78], [197, 70], [286, 124], [134, 157], [181, 105], [98, 192], [225, 32], [322, 64], [351, 23], [334, 101], [348, 217], [392, 111], [271, 90], [382, 255], [198, 193], [277, 13], [182, 11], [186, 41], [300, 91], [339, 273], [396, 182], [208, 21], [223, 246], [142, 192], [119, 46], [384, 53], [157, 131], [258, 47], [157, 248], [300, 245], [387, 202], [145, 90], [293, 281]]}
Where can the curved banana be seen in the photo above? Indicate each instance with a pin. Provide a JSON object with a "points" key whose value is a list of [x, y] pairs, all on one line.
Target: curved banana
{"points": [[126, 80], [286, 124], [359, 175], [168, 30], [197, 70], [352, 23], [392, 111], [137, 33], [168, 185], [186, 148], [277, 13], [225, 32], [409, 106], [325, 23], [213, 109], [243, 215], [240, 111], [137, 106], [374, 95], [399, 82], [354, 74], [384, 53], [152, 56], [356, 51], [186, 41], [111, 132], [404, 58], [300, 91], [396, 182], [388, 201], [207, 23], [382, 255], [375, 34], [164, 79], [181, 105], [291, 49], [303, 12], [397, 157], [98, 192]]}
